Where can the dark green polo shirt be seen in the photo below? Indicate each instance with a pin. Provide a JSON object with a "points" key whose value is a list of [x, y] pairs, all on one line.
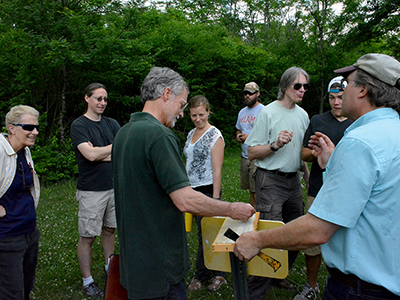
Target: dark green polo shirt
{"points": [[147, 166]]}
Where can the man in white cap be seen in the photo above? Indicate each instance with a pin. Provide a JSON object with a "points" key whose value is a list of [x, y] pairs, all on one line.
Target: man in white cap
{"points": [[355, 216], [333, 124], [244, 125]]}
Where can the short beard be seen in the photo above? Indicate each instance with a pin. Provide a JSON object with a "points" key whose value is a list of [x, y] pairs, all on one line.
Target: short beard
{"points": [[254, 101]]}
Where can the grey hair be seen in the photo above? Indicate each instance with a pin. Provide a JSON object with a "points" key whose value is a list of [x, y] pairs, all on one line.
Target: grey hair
{"points": [[287, 79], [16, 112], [89, 91], [380, 94], [158, 80]]}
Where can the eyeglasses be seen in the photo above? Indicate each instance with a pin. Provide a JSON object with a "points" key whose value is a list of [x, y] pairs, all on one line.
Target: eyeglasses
{"points": [[28, 127], [100, 98], [298, 86], [248, 93], [345, 82], [184, 106], [21, 168]]}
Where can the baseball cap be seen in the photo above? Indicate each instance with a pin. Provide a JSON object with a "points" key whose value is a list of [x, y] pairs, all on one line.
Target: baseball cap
{"points": [[383, 67], [251, 87], [337, 80]]}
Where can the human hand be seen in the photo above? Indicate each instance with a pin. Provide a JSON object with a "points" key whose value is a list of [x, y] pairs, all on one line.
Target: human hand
{"points": [[247, 246], [241, 137], [285, 137], [2, 211], [323, 147], [241, 211]]}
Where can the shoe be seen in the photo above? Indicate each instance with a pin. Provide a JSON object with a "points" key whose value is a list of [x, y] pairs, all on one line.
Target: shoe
{"points": [[284, 285], [93, 291], [308, 293], [216, 283], [194, 285]]}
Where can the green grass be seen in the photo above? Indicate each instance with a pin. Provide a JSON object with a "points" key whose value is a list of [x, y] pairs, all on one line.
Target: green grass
{"points": [[58, 275]]}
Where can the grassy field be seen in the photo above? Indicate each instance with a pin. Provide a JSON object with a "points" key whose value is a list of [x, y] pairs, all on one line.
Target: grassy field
{"points": [[58, 275]]}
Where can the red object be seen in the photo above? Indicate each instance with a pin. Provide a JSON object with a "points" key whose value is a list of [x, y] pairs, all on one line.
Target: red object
{"points": [[114, 289]]}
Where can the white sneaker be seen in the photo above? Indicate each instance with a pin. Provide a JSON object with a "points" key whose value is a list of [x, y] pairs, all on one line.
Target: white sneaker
{"points": [[308, 293]]}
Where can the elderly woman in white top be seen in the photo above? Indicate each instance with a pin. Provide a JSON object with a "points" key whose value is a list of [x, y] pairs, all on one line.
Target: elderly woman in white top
{"points": [[204, 151], [19, 196]]}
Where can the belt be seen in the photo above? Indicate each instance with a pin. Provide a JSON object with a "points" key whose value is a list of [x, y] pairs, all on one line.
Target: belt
{"points": [[354, 282], [282, 174]]}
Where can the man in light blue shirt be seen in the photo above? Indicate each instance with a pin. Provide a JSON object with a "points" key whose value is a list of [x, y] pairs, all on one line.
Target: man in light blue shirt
{"points": [[356, 212]]}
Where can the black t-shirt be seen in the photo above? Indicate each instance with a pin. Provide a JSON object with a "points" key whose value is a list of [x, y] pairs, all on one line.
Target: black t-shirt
{"points": [[334, 129], [93, 175]]}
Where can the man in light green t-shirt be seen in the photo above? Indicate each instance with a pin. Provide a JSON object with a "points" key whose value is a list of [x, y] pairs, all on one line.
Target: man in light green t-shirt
{"points": [[275, 144], [152, 191]]}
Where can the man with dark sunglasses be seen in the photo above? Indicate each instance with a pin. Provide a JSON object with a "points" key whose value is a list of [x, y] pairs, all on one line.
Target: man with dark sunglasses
{"points": [[275, 145], [333, 124], [244, 125], [355, 215], [92, 136]]}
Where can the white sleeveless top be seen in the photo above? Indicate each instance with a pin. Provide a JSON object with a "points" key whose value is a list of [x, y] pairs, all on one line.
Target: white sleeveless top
{"points": [[198, 156]]}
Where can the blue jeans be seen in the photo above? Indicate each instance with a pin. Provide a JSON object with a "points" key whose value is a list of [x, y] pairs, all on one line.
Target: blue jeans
{"points": [[175, 292], [335, 290], [18, 260]]}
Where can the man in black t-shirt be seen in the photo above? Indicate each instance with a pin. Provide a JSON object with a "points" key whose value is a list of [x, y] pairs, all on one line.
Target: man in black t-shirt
{"points": [[333, 124], [92, 136]]}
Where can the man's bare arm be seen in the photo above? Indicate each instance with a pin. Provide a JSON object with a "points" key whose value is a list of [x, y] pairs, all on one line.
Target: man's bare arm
{"points": [[301, 233], [188, 200], [95, 153]]}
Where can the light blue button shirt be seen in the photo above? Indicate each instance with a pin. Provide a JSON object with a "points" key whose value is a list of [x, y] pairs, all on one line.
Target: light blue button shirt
{"points": [[361, 193]]}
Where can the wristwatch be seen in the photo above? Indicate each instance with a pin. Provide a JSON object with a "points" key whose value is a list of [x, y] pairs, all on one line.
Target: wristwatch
{"points": [[271, 146]]}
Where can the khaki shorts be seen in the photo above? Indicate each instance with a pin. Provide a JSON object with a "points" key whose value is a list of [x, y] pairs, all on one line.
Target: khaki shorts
{"points": [[96, 209], [315, 250], [247, 170]]}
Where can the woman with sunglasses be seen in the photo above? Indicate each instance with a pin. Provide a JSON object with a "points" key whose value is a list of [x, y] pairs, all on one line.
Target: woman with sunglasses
{"points": [[19, 196], [204, 151]]}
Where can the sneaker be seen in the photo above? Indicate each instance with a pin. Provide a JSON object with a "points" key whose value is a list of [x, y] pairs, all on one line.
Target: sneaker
{"points": [[92, 290], [194, 285], [216, 283], [308, 293]]}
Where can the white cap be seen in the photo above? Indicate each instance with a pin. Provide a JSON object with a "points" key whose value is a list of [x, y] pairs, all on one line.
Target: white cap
{"points": [[335, 80]]}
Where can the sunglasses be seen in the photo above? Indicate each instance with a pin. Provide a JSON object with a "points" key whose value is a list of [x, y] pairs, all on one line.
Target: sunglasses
{"points": [[28, 127], [248, 93], [100, 98], [298, 86]]}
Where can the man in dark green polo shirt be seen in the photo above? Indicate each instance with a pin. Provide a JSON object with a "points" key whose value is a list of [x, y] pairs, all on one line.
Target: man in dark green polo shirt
{"points": [[152, 191]]}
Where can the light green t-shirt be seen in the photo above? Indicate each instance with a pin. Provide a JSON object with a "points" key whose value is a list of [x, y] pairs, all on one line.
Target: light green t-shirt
{"points": [[271, 120]]}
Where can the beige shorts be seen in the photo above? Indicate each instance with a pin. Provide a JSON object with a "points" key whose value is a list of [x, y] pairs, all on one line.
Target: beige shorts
{"points": [[314, 250], [247, 170], [96, 210]]}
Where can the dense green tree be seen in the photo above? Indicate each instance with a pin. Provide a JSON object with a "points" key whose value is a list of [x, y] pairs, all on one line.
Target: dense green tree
{"points": [[52, 49]]}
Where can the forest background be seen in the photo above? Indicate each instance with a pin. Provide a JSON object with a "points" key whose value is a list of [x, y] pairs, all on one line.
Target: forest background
{"points": [[52, 49]]}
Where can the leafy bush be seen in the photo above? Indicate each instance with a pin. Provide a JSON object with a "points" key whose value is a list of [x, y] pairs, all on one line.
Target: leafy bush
{"points": [[55, 161]]}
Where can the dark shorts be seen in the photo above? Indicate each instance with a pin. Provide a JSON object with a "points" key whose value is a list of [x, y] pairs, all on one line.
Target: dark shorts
{"points": [[247, 170]]}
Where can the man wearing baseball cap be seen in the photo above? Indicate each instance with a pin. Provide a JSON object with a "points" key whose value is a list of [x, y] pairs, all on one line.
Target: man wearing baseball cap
{"points": [[333, 124], [244, 125], [355, 216]]}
